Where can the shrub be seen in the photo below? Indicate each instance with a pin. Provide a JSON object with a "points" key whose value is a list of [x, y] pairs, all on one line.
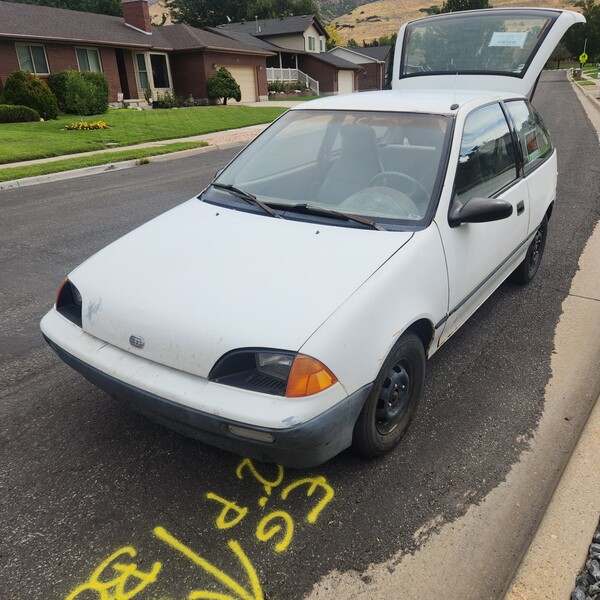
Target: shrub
{"points": [[24, 89], [279, 87], [58, 84], [81, 93], [100, 83], [166, 100], [223, 85], [11, 113]]}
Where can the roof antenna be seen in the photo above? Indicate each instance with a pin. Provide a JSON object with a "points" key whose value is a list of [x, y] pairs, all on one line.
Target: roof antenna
{"points": [[256, 19], [454, 105]]}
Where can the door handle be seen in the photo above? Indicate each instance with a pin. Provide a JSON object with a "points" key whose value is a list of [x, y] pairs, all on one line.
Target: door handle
{"points": [[520, 207]]}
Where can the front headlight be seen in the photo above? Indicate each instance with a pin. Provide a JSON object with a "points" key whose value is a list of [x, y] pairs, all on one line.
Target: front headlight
{"points": [[275, 372], [68, 302]]}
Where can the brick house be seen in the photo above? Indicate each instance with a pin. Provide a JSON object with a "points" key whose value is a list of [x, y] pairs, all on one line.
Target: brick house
{"points": [[373, 60], [134, 55], [300, 52]]}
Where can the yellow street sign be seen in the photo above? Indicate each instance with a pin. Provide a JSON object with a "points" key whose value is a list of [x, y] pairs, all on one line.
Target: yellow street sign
{"points": [[583, 57]]}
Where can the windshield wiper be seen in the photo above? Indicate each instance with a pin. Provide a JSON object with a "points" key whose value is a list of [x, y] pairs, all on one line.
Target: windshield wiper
{"points": [[247, 196], [333, 213]]}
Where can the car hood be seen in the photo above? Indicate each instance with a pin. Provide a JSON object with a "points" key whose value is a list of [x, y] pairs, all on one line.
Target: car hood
{"points": [[200, 280]]}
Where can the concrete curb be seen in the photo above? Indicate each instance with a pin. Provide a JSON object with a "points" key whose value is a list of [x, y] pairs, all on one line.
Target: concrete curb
{"points": [[115, 166]]}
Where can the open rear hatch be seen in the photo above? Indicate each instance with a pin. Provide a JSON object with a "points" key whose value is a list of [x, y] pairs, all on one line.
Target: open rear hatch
{"points": [[496, 50]]}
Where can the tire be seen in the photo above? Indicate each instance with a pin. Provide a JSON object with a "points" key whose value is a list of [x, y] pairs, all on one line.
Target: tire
{"points": [[392, 403], [526, 271]]}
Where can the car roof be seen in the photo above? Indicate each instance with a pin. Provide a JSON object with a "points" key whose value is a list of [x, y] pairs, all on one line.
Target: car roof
{"points": [[430, 102]]}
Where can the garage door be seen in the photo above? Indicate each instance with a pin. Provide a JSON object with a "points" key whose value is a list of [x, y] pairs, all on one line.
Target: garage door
{"points": [[345, 82], [246, 78]]}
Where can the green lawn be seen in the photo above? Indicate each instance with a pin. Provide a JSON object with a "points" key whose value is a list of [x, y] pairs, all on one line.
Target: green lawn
{"points": [[26, 141], [57, 166], [591, 70]]}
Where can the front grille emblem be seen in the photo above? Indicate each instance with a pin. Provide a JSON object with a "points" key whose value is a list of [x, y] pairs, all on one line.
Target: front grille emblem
{"points": [[137, 342]]}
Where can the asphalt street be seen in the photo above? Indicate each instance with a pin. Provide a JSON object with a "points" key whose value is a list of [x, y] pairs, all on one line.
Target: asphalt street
{"points": [[84, 480]]}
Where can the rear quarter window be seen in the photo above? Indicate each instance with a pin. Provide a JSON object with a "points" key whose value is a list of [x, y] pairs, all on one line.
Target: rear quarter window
{"points": [[534, 137]]}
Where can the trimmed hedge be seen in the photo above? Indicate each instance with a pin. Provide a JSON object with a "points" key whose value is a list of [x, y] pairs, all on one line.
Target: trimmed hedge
{"points": [[80, 93], [24, 89], [11, 113]]}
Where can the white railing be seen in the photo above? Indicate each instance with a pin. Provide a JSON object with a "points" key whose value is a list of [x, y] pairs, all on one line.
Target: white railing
{"points": [[289, 75]]}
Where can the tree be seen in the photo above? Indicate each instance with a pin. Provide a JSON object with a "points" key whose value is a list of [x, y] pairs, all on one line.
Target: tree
{"points": [[458, 5], [223, 85], [561, 52], [335, 38], [575, 37], [210, 13], [351, 43], [206, 13], [103, 7], [272, 9]]}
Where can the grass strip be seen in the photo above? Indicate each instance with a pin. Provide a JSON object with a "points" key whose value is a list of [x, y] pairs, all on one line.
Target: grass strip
{"points": [[28, 141], [584, 82], [10, 173]]}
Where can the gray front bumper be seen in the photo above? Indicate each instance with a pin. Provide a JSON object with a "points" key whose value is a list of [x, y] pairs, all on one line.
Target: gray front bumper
{"points": [[306, 445]]}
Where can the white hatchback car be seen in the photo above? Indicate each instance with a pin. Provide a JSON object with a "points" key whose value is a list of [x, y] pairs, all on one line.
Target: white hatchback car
{"points": [[286, 313]]}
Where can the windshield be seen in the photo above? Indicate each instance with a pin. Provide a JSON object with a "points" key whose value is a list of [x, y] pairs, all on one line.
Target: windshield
{"points": [[384, 166], [485, 42]]}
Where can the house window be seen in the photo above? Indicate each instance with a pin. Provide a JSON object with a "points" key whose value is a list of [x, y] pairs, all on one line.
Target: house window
{"points": [[311, 43], [160, 71], [88, 59], [142, 71], [320, 45], [32, 59]]}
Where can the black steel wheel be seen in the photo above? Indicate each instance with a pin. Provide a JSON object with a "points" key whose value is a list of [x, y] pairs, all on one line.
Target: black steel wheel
{"points": [[391, 405], [526, 271]]}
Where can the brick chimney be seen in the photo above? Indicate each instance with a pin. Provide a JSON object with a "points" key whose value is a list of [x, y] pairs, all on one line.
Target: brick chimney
{"points": [[137, 14]]}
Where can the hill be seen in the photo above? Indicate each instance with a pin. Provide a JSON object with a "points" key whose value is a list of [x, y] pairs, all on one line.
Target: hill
{"points": [[384, 17]]}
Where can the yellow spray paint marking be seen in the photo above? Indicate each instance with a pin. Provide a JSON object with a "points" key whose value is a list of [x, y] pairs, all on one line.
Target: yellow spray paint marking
{"points": [[268, 485], [264, 534], [314, 483], [119, 582], [228, 506], [240, 593]]}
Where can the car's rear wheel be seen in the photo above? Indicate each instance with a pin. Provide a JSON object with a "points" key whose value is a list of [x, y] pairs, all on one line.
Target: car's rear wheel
{"points": [[526, 271], [392, 403]]}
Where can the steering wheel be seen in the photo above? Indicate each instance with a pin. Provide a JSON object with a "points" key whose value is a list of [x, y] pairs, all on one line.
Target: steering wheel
{"points": [[380, 199], [409, 185]]}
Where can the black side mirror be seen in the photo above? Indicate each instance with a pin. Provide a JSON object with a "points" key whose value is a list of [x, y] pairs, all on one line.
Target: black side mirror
{"points": [[479, 210]]}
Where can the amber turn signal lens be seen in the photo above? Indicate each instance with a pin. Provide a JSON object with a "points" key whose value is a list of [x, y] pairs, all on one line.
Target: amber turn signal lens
{"points": [[60, 289], [308, 376]]}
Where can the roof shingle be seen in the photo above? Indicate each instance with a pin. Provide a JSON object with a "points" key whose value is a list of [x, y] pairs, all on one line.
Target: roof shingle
{"points": [[27, 21]]}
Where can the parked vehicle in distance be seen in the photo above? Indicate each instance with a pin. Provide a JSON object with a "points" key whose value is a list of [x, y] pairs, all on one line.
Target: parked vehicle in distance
{"points": [[287, 312]]}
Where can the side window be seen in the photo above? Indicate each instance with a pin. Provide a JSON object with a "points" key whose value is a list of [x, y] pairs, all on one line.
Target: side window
{"points": [[487, 159], [32, 58], [534, 138]]}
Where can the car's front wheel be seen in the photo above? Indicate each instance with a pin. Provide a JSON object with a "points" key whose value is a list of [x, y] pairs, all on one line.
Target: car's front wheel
{"points": [[526, 271], [392, 403]]}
